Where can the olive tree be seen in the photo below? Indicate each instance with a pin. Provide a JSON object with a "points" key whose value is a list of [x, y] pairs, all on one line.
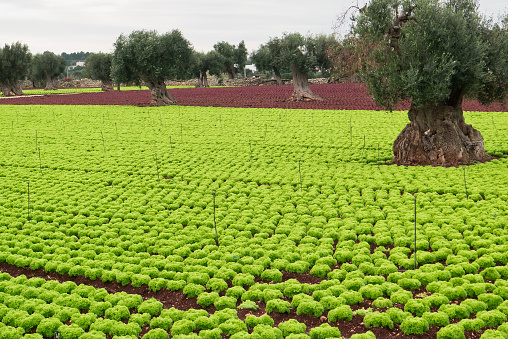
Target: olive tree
{"points": [[14, 66], [434, 54], [265, 61], [233, 58], [301, 54], [204, 64], [145, 56], [98, 67], [47, 67]]}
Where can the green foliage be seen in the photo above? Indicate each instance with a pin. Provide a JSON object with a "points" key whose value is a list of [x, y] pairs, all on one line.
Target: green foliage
{"points": [[253, 321], [84, 320], [232, 58], [161, 322], [455, 311], [278, 305], [417, 307], [492, 318], [292, 326], [151, 306], [183, 326], [320, 270], [193, 290], [211, 334], [47, 67], [452, 331], [382, 303], [232, 326], [48, 326], [397, 315], [150, 57], [273, 275], [491, 300], [216, 285], [206, 299], [249, 305], [117, 313], [352, 297], [225, 302], [324, 331], [493, 334], [377, 319], [472, 324], [415, 325], [371, 291], [243, 279], [401, 297], [98, 66], [310, 307], [14, 66], [490, 273], [458, 58], [440, 319], [157, 333]]}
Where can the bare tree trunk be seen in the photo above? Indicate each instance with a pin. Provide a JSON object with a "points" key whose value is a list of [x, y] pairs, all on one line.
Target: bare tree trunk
{"points": [[438, 136], [50, 83], [278, 78], [9, 89], [231, 71], [17, 88], [200, 81], [205, 80], [160, 94], [107, 86], [301, 88]]}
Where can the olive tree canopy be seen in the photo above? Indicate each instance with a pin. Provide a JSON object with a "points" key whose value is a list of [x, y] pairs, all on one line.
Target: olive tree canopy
{"points": [[14, 67], [433, 53], [98, 67], [47, 67], [146, 56]]}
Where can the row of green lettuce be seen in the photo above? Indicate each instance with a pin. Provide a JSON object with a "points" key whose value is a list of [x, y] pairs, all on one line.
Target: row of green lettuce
{"points": [[40, 307]]}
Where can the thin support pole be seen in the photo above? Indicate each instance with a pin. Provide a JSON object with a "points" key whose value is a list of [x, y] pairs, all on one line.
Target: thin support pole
{"points": [[157, 164], [415, 232], [28, 184], [465, 186], [214, 223], [300, 174]]}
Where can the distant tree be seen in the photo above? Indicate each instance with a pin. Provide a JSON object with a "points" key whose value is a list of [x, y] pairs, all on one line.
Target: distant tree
{"points": [[233, 58], [98, 67], [47, 67], [435, 54], [264, 61], [72, 58], [301, 54], [152, 58], [14, 67], [209, 63]]}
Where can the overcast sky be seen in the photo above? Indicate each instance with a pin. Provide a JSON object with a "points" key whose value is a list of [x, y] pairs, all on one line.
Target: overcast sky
{"points": [[94, 25]]}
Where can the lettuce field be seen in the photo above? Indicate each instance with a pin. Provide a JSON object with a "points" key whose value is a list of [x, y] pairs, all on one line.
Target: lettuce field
{"points": [[220, 222]]}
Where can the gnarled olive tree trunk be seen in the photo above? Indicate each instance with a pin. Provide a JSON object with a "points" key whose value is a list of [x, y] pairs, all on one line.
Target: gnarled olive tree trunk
{"points": [[301, 88], [50, 83], [438, 136], [107, 85], [160, 94], [277, 76], [9, 89]]}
